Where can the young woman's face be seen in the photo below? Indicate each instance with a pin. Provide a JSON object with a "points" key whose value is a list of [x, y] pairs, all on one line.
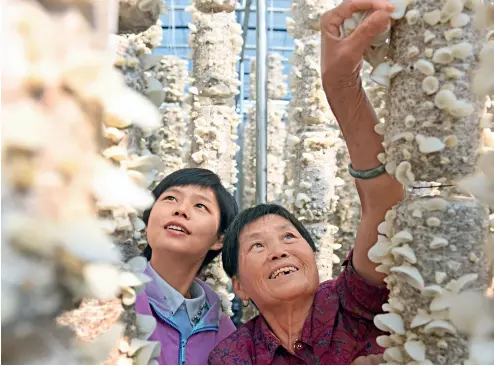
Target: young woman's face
{"points": [[275, 262], [185, 220]]}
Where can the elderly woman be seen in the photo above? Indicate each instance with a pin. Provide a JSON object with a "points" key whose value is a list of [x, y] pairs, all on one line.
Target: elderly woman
{"points": [[270, 255]]}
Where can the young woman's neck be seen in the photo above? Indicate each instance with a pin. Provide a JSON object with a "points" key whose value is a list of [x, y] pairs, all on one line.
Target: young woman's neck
{"points": [[287, 320], [175, 271]]}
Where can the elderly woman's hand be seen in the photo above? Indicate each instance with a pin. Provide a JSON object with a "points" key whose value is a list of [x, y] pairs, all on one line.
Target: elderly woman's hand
{"points": [[341, 58], [368, 360]]}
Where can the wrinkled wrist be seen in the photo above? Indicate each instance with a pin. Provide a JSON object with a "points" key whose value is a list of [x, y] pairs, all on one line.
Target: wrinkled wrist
{"points": [[342, 92]]}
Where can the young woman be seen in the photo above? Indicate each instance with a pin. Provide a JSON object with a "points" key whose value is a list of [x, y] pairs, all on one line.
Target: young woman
{"points": [[184, 229]]}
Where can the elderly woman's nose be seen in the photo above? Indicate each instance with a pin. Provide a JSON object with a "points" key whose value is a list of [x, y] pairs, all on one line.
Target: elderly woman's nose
{"points": [[278, 255]]}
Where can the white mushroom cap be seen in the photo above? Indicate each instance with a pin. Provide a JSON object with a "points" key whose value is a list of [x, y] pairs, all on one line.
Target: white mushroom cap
{"points": [[412, 275], [384, 341], [390, 323], [432, 290], [135, 280], [400, 8], [482, 351], [438, 242], [144, 351], [106, 289], [439, 327], [416, 350], [393, 355], [421, 318], [145, 324], [442, 301], [479, 322], [430, 144], [381, 74], [379, 250], [406, 252], [457, 285], [401, 237]]}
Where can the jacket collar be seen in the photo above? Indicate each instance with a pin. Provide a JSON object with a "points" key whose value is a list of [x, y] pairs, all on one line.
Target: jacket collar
{"points": [[158, 288]]}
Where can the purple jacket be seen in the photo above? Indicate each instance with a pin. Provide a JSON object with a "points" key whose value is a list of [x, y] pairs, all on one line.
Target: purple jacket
{"points": [[194, 349]]}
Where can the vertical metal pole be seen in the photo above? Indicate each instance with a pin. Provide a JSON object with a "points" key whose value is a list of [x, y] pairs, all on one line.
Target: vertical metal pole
{"points": [[261, 104], [239, 193]]}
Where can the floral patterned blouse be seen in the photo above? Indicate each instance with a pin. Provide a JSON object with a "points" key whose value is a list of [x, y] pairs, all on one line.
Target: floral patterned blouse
{"points": [[338, 329]]}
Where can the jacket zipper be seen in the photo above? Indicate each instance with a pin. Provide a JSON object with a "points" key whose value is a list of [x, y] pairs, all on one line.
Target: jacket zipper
{"points": [[183, 342]]}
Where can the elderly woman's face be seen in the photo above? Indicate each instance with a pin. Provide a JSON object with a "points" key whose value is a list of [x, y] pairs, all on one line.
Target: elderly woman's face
{"points": [[275, 262]]}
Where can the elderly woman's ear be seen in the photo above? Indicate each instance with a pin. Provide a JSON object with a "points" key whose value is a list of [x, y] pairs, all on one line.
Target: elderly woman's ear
{"points": [[218, 245], [238, 289]]}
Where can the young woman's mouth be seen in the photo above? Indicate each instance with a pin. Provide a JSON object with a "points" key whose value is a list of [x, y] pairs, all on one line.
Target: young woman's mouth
{"points": [[176, 228]]}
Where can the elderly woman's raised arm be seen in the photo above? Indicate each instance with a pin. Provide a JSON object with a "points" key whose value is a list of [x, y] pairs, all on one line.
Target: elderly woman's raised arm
{"points": [[340, 65]]}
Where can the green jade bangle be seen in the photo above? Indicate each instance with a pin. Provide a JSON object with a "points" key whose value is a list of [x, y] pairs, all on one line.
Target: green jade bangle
{"points": [[366, 174]]}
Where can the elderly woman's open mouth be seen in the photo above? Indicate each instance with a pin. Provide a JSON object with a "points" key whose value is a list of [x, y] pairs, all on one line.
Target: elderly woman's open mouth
{"points": [[282, 271]]}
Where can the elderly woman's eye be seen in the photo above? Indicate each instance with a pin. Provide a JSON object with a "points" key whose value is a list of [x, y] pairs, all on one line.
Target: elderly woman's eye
{"points": [[256, 246], [289, 236]]}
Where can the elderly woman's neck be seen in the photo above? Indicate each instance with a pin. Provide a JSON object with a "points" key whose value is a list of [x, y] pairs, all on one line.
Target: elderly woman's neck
{"points": [[287, 320], [175, 271]]}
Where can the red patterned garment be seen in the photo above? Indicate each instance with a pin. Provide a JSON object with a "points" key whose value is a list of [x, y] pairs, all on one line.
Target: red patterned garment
{"points": [[338, 329]]}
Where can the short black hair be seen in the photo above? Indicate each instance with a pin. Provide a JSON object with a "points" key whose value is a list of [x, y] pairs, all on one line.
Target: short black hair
{"points": [[206, 179], [231, 239]]}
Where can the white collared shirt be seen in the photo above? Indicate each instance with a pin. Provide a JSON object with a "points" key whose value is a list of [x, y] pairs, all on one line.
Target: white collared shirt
{"points": [[171, 301]]}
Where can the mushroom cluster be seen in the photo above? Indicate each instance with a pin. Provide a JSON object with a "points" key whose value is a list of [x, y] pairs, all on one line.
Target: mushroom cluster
{"points": [[428, 134], [168, 142], [430, 245], [277, 87], [431, 249], [479, 326], [135, 16], [346, 215], [249, 159], [305, 16], [216, 40], [214, 142], [55, 247], [313, 136], [171, 72], [315, 198], [124, 144]]}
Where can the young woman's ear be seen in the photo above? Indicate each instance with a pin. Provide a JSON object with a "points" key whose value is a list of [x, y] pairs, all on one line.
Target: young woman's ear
{"points": [[218, 245]]}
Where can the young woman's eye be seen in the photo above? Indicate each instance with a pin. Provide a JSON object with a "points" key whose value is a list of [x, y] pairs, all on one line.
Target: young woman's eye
{"points": [[169, 198], [200, 205], [289, 236]]}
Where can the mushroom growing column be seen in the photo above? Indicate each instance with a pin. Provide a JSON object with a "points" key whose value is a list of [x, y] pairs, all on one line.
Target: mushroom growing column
{"points": [[479, 325], [430, 246], [215, 39], [54, 247], [126, 126], [168, 142], [313, 139]]}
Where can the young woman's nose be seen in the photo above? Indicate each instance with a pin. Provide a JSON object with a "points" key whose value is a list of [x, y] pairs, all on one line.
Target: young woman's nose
{"points": [[181, 211]]}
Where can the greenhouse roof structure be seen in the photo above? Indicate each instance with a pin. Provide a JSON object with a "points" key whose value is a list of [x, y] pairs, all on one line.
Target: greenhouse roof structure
{"points": [[175, 33]]}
